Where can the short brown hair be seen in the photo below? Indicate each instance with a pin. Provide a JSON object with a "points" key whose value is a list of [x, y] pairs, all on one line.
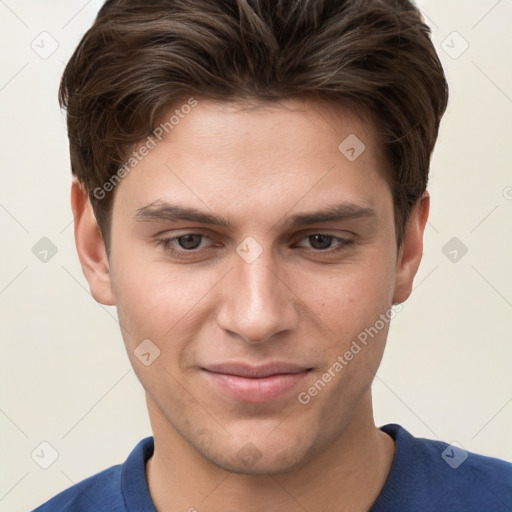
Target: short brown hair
{"points": [[140, 57]]}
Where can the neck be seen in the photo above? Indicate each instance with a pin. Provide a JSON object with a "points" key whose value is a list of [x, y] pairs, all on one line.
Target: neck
{"points": [[349, 475]]}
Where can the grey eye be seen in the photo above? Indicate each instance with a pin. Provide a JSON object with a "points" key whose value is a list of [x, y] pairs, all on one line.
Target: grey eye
{"points": [[191, 241]]}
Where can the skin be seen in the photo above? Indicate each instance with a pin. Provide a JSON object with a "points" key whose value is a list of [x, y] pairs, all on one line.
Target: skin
{"points": [[257, 166]]}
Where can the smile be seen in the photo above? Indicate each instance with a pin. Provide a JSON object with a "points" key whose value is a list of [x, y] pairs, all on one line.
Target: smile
{"points": [[255, 384]]}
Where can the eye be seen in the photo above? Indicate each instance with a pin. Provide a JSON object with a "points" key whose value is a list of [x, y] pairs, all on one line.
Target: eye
{"points": [[189, 241], [320, 241], [324, 241], [194, 244], [184, 245]]}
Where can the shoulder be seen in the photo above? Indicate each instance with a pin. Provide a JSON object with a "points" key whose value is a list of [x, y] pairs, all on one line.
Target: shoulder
{"points": [[97, 492], [120, 488], [437, 476]]}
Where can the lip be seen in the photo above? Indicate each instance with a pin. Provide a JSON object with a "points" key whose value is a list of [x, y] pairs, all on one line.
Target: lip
{"points": [[255, 384]]}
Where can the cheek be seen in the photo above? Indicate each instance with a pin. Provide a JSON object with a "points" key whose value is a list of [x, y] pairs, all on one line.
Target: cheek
{"points": [[143, 303], [349, 299], [161, 307], [356, 310], [157, 301]]}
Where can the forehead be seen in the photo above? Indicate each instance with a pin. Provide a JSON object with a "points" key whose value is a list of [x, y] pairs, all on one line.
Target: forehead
{"points": [[296, 124], [259, 154]]}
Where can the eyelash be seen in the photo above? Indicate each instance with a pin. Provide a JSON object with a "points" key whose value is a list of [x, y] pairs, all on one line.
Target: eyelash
{"points": [[168, 243]]}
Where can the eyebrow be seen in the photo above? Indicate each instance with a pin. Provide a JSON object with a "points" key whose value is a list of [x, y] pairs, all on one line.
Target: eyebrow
{"points": [[163, 211], [336, 212]]}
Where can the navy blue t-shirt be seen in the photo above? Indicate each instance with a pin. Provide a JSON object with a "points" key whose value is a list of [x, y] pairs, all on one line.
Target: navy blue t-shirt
{"points": [[426, 476]]}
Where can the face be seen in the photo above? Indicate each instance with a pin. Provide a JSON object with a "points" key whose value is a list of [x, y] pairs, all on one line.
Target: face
{"points": [[253, 253]]}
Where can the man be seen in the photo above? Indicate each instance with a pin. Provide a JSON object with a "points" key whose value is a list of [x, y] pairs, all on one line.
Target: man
{"points": [[250, 192]]}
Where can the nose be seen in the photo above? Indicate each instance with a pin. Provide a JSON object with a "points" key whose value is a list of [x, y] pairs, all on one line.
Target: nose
{"points": [[257, 304]]}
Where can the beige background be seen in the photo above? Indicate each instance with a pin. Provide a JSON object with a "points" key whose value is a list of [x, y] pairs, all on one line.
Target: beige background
{"points": [[65, 377]]}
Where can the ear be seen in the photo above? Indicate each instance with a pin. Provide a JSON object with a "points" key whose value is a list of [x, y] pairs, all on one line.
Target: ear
{"points": [[90, 246], [410, 253]]}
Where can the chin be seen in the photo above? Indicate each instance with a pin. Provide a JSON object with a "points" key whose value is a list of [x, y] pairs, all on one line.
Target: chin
{"points": [[262, 460]]}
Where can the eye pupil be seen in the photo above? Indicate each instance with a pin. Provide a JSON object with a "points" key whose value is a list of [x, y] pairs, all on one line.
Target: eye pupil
{"points": [[320, 241], [189, 241]]}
